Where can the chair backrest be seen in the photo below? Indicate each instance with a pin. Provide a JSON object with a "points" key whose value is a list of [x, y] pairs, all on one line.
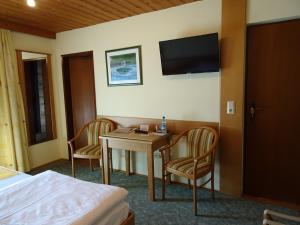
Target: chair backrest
{"points": [[200, 140], [96, 128]]}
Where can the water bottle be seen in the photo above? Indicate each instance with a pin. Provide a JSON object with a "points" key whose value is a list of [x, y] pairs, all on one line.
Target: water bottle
{"points": [[163, 125]]}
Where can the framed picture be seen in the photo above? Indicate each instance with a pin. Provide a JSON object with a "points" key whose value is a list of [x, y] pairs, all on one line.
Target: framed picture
{"points": [[124, 66]]}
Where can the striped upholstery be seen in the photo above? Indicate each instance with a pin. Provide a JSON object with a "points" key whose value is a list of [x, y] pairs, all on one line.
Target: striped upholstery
{"points": [[199, 141], [96, 129], [94, 146], [89, 150], [184, 166]]}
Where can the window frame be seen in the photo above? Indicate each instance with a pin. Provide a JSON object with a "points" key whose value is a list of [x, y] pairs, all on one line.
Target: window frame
{"points": [[20, 66]]}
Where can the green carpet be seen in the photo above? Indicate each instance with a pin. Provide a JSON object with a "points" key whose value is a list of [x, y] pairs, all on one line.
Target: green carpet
{"points": [[177, 208]]}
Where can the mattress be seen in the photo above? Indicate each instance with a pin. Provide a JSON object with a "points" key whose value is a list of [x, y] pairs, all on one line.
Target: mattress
{"points": [[53, 198], [116, 216]]}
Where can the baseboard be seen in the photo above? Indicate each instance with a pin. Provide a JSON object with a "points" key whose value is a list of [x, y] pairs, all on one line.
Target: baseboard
{"points": [[158, 178], [272, 202], [47, 164]]}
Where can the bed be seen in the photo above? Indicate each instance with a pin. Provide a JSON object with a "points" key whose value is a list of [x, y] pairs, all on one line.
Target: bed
{"points": [[56, 199]]}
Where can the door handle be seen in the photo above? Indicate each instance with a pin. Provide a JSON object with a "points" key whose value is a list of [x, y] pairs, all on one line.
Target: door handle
{"points": [[254, 109]]}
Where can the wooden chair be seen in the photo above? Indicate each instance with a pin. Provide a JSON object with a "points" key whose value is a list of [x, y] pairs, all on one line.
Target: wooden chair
{"points": [[201, 149], [272, 218], [94, 148]]}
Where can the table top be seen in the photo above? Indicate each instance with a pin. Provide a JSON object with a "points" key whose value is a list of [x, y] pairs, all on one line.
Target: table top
{"points": [[151, 137]]}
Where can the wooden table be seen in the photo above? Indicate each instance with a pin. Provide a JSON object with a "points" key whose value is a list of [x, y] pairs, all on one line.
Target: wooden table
{"points": [[134, 142]]}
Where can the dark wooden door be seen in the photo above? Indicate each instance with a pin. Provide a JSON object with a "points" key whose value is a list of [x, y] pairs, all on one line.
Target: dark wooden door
{"points": [[79, 93], [272, 113]]}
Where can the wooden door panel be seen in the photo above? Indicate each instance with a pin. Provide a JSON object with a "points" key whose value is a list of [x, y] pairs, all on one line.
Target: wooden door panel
{"points": [[272, 152], [82, 88]]}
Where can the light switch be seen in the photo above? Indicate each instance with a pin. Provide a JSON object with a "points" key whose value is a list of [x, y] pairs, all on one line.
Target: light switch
{"points": [[230, 107]]}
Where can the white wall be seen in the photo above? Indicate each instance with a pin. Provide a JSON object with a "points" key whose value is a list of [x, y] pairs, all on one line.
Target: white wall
{"points": [[46, 152], [30, 55], [184, 97], [261, 11]]}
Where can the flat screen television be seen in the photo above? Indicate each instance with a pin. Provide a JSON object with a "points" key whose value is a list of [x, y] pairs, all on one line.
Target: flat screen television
{"points": [[197, 54]]}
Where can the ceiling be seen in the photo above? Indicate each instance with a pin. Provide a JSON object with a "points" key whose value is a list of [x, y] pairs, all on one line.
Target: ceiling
{"points": [[52, 16]]}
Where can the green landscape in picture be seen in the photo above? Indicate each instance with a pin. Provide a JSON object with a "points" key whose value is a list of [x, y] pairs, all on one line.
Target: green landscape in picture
{"points": [[123, 67]]}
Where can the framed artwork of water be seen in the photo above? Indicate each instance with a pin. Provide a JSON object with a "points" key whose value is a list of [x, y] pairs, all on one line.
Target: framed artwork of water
{"points": [[124, 66]]}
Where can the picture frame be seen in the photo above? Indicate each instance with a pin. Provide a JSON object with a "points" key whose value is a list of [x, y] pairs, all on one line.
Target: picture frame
{"points": [[124, 66]]}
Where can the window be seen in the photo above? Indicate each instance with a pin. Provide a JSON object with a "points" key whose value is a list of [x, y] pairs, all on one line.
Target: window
{"points": [[36, 83]]}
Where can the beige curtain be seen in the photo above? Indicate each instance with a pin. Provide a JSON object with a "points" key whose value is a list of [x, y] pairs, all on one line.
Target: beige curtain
{"points": [[13, 138]]}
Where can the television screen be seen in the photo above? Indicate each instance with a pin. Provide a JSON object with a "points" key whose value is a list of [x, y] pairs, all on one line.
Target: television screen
{"points": [[196, 54]]}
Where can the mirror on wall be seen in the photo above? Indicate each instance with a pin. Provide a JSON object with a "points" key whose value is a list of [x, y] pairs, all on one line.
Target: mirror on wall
{"points": [[36, 83]]}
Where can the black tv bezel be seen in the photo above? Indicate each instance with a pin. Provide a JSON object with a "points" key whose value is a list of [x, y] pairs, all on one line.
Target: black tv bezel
{"points": [[189, 37]]}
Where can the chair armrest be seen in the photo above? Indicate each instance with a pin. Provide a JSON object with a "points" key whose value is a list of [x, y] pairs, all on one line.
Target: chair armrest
{"points": [[199, 158], [174, 143], [77, 135], [165, 147]]}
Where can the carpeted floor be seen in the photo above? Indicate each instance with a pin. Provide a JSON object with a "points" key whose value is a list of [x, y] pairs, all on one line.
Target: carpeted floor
{"points": [[177, 209]]}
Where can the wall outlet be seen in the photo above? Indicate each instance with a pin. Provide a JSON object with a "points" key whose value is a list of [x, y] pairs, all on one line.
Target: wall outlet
{"points": [[230, 107]]}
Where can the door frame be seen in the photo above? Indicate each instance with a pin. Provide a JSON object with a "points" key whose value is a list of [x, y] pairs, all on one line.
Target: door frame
{"points": [[66, 89]]}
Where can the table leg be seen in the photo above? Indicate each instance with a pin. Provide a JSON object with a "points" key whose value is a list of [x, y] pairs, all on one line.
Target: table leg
{"points": [[127, 159], [106, 161], [150, 166]]}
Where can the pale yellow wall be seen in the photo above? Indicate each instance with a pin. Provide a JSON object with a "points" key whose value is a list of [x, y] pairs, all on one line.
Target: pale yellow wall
{"points": [[192, 97], [48, 151], [186, 97], [259, 11]]}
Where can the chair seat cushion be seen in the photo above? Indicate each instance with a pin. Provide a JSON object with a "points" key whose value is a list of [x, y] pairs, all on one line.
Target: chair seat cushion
{"points": [[184, 167], [89, 150]]}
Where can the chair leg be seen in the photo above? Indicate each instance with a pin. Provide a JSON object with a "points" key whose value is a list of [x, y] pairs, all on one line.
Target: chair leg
{"points": [[189, 181], [163, 184], [73, 166], [163, 177], [111, 162], [127, 162], [101, 163], [195, 197], [212, 185], [91, 165]]}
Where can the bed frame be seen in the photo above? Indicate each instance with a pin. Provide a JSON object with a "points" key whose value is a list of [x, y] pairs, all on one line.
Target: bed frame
{"points": [[129, 220]]}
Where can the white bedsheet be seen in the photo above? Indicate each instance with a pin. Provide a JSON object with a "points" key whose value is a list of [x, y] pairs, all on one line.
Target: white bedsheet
{"points": [[52, 198], [14, 179]]}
